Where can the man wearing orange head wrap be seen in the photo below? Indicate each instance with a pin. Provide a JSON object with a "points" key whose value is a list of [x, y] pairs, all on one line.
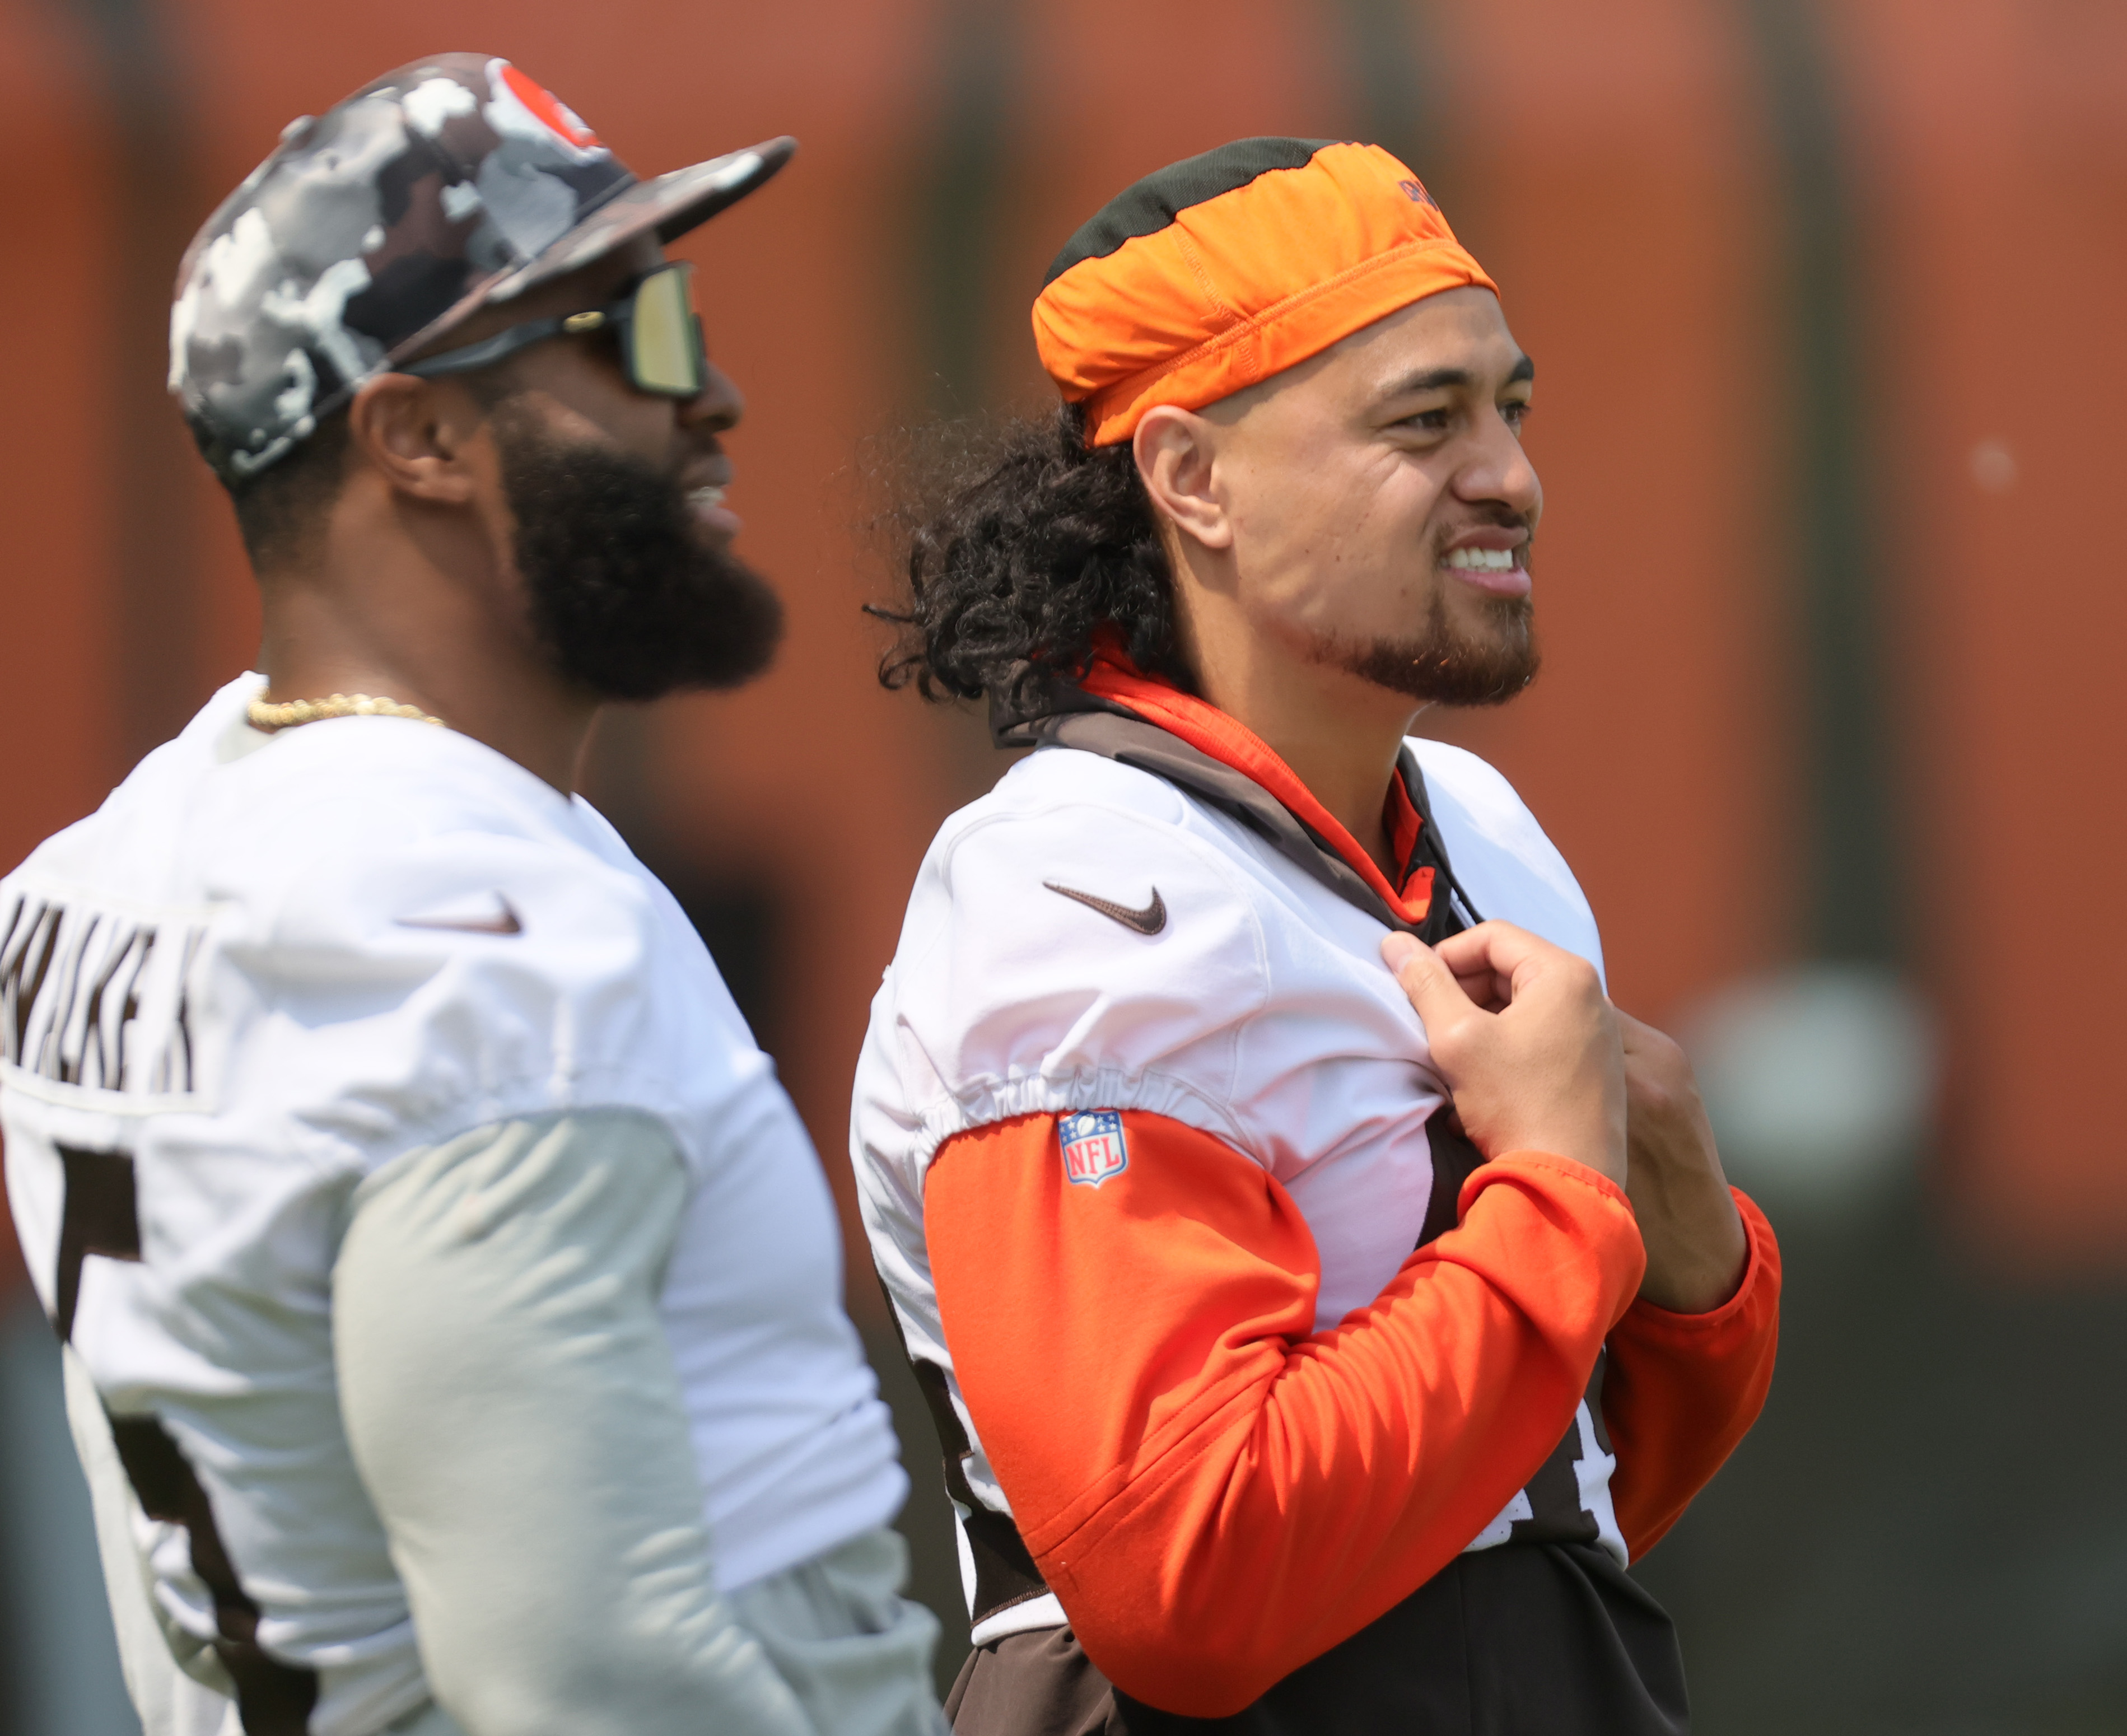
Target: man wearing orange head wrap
{"points": [[1314, 1342]]}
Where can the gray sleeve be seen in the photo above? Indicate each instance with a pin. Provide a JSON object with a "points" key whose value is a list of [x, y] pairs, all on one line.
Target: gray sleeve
{"points": [[513, 1408]]}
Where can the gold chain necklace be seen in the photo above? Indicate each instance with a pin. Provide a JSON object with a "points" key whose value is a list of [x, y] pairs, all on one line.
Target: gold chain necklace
{"points": [[266, 714]]}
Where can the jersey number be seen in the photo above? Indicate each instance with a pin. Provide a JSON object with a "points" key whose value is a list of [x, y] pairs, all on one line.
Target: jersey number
{"points": [[102, 1216]]}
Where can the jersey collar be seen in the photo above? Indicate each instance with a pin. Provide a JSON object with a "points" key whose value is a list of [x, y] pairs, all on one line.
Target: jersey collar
{"points": [[1223, 738]]}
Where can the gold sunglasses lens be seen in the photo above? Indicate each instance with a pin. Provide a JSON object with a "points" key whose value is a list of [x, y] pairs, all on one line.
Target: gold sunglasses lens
{"points": [[665, 341]]}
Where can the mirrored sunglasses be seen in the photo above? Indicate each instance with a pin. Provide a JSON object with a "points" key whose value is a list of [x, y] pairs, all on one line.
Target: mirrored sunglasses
{"points": [[661, 344]]}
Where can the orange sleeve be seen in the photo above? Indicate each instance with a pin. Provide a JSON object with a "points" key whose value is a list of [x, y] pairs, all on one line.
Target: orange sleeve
{"points": [[1217, 1493], [1680, 1391]]}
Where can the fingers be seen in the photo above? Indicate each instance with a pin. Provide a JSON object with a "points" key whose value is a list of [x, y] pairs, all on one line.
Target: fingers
{"points": [[1485, 988], [1481, 961], [1497, 963], [1658, 1074], [1523, 1037], [1648, 1048], [1495, 947], [1436, 996]]}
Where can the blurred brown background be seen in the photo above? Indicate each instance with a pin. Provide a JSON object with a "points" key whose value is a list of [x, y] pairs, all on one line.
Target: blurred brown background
{"points": [[1827, 298]]}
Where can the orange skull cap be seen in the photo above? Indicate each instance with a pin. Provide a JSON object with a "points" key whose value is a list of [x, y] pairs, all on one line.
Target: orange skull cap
{"points": [[1223, 269]]}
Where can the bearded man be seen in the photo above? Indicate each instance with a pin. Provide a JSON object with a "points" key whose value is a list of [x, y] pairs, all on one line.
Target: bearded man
{"points": [[451, 1295], [1312, 1351]]}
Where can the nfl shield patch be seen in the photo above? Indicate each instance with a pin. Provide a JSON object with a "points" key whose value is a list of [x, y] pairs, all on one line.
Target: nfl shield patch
{"points": [[1093, 1145]]}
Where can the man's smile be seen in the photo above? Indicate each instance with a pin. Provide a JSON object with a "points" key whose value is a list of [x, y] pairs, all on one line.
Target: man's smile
{"points": [[1491, 558]]}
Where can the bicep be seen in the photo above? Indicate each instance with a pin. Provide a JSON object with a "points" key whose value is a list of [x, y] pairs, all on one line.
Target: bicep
{"points": [[1150, 1292]]}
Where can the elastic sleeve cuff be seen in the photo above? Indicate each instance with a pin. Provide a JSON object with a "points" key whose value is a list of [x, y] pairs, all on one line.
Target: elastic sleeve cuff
{"points": [[1612, 1232], [1498, 1168]]}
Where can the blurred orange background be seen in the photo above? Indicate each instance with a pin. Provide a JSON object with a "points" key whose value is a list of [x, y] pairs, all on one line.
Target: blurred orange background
{"points": [[1825, 300]]}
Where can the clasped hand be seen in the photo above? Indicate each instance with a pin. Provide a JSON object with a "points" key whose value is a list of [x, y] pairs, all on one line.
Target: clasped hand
{"points": [[1536, 1058]]}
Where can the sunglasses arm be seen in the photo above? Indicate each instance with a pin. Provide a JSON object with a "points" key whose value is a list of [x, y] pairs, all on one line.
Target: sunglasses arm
{"points": [[497, 348]]}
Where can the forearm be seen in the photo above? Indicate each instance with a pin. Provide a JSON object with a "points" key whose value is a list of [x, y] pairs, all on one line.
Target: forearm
{"points": [[1695, 1240], [1347, 1477], [514, 1414], [1698, 1248]]}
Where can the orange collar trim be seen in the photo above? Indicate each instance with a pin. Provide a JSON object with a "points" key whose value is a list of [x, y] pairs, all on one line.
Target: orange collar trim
{"points": [[1210, 731]]}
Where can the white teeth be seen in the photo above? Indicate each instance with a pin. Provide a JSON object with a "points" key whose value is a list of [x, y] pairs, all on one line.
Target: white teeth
{"points": [[710, 496], [1484, 559]]}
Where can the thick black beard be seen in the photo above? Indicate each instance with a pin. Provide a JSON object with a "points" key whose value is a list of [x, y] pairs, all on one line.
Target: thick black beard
{"points": [[627, 601], [1445, 667]]}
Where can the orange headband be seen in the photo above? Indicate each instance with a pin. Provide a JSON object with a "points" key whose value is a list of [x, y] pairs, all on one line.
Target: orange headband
{"points": [[1226, 268]]}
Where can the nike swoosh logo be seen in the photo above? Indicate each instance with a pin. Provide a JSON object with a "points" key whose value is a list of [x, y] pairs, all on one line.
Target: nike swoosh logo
{"points": [[1150, 920], [503, 922]]}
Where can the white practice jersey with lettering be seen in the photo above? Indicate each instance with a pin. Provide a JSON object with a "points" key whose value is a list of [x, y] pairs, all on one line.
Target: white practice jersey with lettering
{"points": [[1259, 1011], [266, 967]]}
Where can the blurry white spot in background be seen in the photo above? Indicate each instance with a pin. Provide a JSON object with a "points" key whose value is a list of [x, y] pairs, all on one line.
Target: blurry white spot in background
{"points": [[1820, 1080], [1993, 466]]}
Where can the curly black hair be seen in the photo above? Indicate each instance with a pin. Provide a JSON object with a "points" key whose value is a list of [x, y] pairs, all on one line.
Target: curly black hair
{"points": [[1020, 543]]}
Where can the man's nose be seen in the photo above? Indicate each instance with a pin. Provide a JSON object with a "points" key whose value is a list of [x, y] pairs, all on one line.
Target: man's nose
{"points": [[718, 405], [1499, 470]]}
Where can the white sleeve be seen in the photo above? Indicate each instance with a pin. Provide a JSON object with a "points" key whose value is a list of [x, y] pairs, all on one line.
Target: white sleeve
{"points": [[1013, 996], [513, 1407]]}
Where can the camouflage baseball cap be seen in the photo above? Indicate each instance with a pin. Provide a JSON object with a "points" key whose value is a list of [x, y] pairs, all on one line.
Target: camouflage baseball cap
{"points": [[440, 188]]}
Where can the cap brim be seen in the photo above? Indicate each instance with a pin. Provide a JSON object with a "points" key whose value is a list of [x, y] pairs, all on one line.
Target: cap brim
{"points": [[666, 206]]}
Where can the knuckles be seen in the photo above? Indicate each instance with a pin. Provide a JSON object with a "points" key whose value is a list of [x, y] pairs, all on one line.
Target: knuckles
{"points": [[1654, 1100], [1579, 976], [1658, 1074]]}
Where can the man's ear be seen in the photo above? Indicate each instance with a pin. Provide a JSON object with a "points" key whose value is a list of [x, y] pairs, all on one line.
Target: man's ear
{"points": [[1174, 449], [417, 433]]}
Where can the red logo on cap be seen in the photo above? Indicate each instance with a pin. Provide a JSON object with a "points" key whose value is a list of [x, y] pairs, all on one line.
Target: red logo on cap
{"points": [[556, 114]]}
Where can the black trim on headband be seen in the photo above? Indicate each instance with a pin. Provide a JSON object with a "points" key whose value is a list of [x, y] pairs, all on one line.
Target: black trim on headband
{"points": [[1157, 201]]}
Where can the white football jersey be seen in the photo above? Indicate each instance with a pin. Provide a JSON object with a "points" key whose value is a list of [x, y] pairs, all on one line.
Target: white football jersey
{"points": [[264, 968], [1258, 1011]]}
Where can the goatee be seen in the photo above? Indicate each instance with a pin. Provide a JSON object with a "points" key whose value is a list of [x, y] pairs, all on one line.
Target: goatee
{"points": [[1448, 665], [626, 599]]}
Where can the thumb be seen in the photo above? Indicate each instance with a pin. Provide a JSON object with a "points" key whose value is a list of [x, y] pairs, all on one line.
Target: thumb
{"points": [[1435, 995]]}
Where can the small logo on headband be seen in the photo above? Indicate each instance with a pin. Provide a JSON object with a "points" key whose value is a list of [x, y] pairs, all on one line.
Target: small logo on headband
{"points": [[1417, 194]]}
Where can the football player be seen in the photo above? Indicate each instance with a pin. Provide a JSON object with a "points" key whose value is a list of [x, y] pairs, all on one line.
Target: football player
{"points": [[451, 1295], [1313, 1347]]}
